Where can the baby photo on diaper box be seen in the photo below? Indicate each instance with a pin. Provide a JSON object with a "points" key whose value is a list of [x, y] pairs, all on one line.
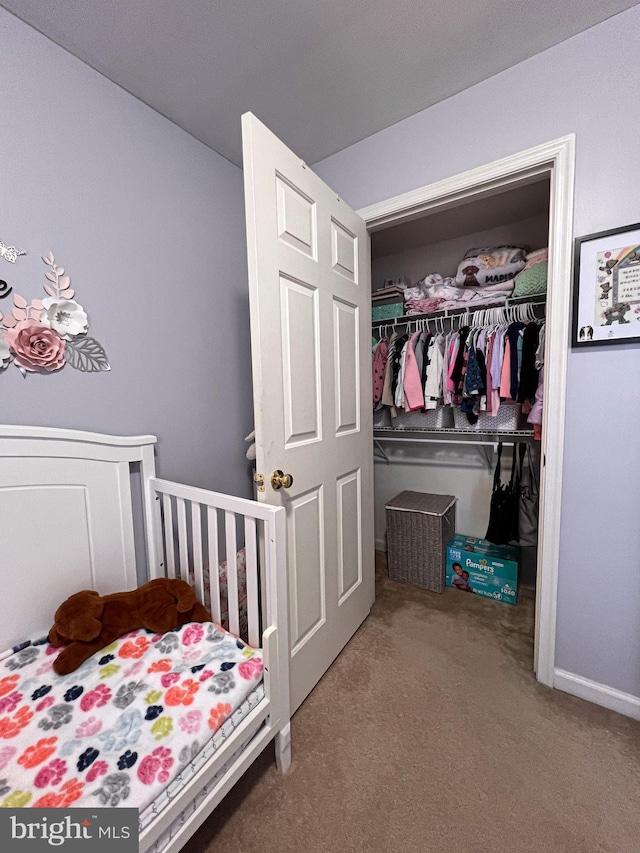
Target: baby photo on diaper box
{"points": [[477, 566]]}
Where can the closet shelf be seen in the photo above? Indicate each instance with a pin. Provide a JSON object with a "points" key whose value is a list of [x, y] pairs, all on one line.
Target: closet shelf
{"points": [[459, 312], [452, 435], [470, 437]]}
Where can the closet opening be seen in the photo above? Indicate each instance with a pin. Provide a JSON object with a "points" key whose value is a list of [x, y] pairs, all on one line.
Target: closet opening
{"points": [[451, 444]]}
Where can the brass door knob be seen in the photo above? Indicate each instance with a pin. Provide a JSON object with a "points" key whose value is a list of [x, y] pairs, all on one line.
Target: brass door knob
{"points": [[280, 480]]}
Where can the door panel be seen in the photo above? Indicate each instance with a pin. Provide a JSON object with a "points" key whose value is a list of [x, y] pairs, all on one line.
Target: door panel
{"points": [[345, 361], [310, 291], [349, 535], [308, 605], [344, 252], [300, 365], [296, 218]]}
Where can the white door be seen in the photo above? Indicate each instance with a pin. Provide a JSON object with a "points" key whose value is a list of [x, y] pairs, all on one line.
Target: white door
{"points": [[310, 297]]}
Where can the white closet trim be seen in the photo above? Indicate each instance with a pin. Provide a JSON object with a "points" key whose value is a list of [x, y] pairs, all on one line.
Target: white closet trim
{"points": [[556, 159]]}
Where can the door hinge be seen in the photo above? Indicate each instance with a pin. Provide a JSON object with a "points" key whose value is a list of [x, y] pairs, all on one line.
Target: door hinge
{"points": [[258, 479]]}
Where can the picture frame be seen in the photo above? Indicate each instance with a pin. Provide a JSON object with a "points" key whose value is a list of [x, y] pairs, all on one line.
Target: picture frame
{"points": [[606, 288]]}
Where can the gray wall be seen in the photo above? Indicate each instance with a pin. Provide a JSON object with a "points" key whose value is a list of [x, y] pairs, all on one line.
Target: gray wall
{"points": [[149, 223], [587, 85]]}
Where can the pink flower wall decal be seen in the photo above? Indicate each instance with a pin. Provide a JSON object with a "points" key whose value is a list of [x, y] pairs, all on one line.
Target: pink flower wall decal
{"points": [[43, 335], [35, 348]]}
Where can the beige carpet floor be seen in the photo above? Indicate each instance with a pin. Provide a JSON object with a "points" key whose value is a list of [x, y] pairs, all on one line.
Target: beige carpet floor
{"points": [[430, 735]]}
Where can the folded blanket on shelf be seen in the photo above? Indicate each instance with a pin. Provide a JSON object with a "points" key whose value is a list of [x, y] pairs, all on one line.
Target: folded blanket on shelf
{"points": [[423, 306], [448, 298]]}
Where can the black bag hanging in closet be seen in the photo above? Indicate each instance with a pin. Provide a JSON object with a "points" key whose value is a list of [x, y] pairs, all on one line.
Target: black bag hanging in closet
{"points": [[528, 500], [503, 512]]}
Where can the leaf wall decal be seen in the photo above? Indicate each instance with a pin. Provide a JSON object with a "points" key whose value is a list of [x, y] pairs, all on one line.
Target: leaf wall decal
{"points": [[87, 355]]}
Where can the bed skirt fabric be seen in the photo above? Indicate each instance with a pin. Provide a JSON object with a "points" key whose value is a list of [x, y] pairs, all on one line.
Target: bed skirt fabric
{"points": [[124, 727]]}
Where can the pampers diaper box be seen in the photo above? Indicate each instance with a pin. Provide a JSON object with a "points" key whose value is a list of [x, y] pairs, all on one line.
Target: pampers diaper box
{"points": [[476, 565]]}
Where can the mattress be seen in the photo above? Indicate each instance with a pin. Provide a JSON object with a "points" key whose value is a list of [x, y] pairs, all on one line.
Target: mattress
{"points": [[128, 727], [175, 828], [195, 762]]}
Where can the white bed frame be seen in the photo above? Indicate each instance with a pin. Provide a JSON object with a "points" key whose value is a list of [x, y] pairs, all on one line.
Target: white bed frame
{"points": [[80, 510]]}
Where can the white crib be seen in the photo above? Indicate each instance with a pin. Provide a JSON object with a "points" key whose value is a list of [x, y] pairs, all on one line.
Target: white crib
{"points": [[81, 510]]}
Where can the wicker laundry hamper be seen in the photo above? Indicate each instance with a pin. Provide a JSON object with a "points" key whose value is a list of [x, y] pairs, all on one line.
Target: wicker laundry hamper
{"points": [[419, 527]]}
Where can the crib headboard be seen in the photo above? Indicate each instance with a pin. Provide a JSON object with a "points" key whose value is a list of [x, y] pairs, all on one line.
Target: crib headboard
{"points": [[66, 520]]}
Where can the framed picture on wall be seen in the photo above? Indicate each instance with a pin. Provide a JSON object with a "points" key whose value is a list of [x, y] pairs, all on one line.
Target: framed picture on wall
{"points": [[606, 288]]}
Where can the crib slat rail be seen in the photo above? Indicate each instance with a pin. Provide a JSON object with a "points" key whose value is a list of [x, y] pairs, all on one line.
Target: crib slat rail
{"points": [[251, 551], [198, 561], [231, 540], [183, 545], [268, 616], [214, 560], [231, 523], [167, 516]]}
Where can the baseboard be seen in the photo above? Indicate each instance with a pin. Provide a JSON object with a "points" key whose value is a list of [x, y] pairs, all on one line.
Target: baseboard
{"points": [[599, 694], [381, 544]]}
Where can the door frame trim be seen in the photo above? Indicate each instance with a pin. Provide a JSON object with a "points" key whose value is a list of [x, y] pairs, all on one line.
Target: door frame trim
{"points": [[556, 159]]}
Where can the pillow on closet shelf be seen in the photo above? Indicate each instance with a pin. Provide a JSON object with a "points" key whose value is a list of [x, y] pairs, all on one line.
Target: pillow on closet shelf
{"points": [[492, 266], [536, 257], [532, 281]]}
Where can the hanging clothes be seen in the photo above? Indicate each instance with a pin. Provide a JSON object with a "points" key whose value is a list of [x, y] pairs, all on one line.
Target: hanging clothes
{"points": [[535, 415], [528, 371], [475, 368], [456, 374], [398, 395], [378, 370], [387, 390], [433, 385], [473, 385], [423, 343], [513, 334], [497, 356], [412, 381]]}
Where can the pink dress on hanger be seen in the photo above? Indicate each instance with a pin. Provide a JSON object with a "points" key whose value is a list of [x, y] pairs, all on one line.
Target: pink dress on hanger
{"points": [[412, 380], [505, 375]]}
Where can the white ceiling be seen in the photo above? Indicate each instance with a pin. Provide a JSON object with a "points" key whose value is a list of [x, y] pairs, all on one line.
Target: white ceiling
{"points": [[323, 74]]}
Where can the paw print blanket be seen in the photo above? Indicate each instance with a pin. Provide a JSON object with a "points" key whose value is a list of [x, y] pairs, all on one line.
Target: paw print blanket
{"points": [[117, 730]]}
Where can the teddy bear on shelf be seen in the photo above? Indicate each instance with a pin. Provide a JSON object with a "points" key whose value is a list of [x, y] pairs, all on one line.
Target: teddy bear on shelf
{"points": [[87, 622]]}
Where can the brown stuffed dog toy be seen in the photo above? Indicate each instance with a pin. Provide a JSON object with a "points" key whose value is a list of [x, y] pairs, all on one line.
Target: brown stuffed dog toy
{"points": [[87, 622]]}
